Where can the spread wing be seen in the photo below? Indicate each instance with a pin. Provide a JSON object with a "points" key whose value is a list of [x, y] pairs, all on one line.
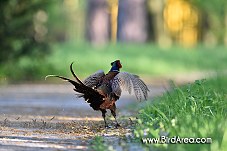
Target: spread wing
{"points": [[94, 79], [128, 82]]}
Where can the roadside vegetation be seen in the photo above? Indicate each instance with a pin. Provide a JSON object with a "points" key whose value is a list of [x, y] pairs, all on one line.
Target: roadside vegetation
{"points": [[193, 110]]}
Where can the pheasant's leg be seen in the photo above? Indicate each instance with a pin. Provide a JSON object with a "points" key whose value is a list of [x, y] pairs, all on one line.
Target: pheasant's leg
{"points": [[104, 118], [113, 112]]}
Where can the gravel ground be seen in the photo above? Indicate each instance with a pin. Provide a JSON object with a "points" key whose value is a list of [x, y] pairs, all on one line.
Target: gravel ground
{"points": [[50, 117]]}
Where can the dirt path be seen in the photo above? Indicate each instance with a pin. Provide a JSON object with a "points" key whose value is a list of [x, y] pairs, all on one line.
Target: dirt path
{"points": [[50, 117]]}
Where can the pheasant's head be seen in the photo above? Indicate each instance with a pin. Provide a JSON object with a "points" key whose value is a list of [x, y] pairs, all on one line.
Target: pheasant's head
{"points": [[116, 65]]}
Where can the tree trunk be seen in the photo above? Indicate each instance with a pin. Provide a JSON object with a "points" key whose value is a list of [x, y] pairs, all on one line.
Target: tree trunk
{"points": [[225, 24], [159, 35], [98, 24], [132, 21]]}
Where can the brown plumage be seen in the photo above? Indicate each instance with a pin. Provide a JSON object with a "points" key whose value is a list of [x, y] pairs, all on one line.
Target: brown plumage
{"points": [[102, 90]]}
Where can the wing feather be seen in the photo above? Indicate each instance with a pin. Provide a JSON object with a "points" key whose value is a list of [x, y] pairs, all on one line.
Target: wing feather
{"points": [[128, 82], [94, 79]]}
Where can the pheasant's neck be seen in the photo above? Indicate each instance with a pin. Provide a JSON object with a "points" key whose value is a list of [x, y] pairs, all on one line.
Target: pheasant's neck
{"points": [[114, 69]]}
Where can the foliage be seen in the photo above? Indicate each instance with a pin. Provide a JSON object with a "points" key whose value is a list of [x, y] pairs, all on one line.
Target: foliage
{"points": [[22, 28], [194, 110], [216, 7], [213, 18]]}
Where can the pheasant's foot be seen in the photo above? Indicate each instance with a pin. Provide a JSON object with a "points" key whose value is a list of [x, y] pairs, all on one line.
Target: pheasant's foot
{"points": [[117, 125], [107, 126]]}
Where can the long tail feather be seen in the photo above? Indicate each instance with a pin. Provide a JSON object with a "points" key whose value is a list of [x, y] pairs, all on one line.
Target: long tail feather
{"points": [[64, 78], [93, 97], [71, 69]]}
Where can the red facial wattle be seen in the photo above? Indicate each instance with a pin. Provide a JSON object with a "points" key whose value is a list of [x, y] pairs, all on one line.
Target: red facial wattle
{"points": [[119, 64]]}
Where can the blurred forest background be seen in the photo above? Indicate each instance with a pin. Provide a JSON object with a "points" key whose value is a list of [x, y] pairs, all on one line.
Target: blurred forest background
{"points": [[151, 37]]}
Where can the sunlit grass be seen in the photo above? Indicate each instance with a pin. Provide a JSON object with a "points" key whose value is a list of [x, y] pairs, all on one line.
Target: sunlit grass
{"points": [[141, 59], [144, 60], [194, 110]]}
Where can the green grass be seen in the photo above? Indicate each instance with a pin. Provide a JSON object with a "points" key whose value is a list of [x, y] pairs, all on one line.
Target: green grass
{"points": [[140, 59], [144, 60], [193, 110], [98, 144]]}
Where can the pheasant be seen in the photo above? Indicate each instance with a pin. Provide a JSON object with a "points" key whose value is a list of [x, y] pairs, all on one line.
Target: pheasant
{"points": [[102, 90]]}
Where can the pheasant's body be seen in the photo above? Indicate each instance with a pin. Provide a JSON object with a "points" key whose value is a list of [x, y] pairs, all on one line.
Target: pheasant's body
{"points": [[104, 85], [101, 90]]}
